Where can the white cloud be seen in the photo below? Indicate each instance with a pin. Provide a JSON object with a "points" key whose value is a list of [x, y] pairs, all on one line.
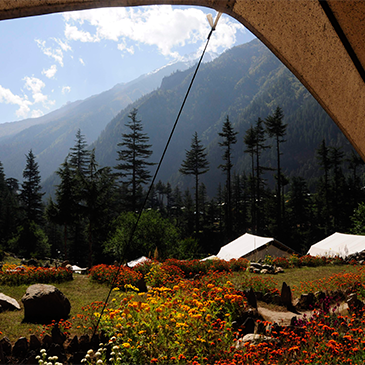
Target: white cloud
{"points": [[35, 86], [50, 72], [57, 52], [74, 34], [162, 26], [64, 46], [66, 89], [82, 61], [6, 96], [37, 113]]}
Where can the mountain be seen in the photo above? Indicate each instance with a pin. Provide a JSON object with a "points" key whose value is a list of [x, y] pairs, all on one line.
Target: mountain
{"points": [[51, 136], [244, 83]]}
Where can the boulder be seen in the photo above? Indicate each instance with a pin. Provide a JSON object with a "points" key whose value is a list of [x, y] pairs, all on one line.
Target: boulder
{"points": [[286, 295], [44, 303], [20, 347], [255, 339], [8, 303]]}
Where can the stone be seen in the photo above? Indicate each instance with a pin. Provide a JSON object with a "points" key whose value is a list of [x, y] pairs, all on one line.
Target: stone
{"points": [[58, 336], [276, 299], [355, 305], [46, 341], [264, 271], [305, 301], [279, 270], [84, 343], [256, 265], [44, 303], [267, 298], [248, 326], [251, 298], [6, 346], [2, 356], [286, 295], [72, 345], [34, 343], [254, 339], [20, 347], [8, 303], [57, 350]]}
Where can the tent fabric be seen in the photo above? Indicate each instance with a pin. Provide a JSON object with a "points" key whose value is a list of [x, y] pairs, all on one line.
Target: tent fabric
{"points": [[242, 246], [138, 261], [338, 244], [250, 245]]}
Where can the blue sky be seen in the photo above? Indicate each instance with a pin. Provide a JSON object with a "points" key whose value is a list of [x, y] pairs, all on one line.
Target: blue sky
{"points": [[47, 61]]}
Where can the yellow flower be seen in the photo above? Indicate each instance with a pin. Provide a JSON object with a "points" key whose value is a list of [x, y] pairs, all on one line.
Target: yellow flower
{"points": [[126, 345]]}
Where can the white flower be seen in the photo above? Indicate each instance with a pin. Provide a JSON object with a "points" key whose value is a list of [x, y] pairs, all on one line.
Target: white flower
{"points": [[99, 362]]}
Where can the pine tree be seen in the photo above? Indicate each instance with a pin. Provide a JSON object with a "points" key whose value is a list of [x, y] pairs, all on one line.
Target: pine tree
{"points": [[229, 139], [31, 239], [195, 164], [323, 191], [65, 210], [250, 141], [133, 167], [79, 156], [30, 194], [277, 129], [98, 200], [8, 210]]}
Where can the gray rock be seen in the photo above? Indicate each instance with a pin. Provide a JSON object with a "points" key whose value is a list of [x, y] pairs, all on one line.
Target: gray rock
{"points": [[286, 295], [20, 347], [44, 303], [255, 339], [8, 303]]}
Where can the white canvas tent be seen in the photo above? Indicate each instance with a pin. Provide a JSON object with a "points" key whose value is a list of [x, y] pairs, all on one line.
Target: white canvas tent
{"points": [[138, 261], [253, 248], [338, 244]]}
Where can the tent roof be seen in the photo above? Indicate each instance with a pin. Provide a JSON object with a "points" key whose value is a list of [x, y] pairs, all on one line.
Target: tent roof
{"points": [[338, 244], [138, 261], [244, 245]]}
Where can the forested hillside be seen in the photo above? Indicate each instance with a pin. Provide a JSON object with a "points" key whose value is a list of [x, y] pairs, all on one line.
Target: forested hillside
{"points": [[51, 135], [245, 83], [253, 152]]}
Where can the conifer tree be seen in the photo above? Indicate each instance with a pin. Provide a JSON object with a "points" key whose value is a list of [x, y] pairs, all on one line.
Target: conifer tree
{"points": [[30, 194], [323, 190], [195, 164], [8, 210], [79, 156], [229, 139], [277, 129], [133, 168]]}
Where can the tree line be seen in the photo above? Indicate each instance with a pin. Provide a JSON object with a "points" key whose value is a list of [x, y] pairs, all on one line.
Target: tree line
{"points": [[92, 218]]}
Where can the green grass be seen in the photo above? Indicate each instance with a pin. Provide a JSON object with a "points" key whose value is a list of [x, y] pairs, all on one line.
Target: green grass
{"points": [[294, 277], [81, 292]]}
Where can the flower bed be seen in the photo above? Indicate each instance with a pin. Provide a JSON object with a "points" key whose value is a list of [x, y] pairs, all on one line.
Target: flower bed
{"points": [[182, 324], [20, 275], [118, 276]]}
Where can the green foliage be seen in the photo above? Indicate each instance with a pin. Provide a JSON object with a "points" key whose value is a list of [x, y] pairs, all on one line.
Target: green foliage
{"points": [[358, 220], [153, 232], [30, 241]]}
